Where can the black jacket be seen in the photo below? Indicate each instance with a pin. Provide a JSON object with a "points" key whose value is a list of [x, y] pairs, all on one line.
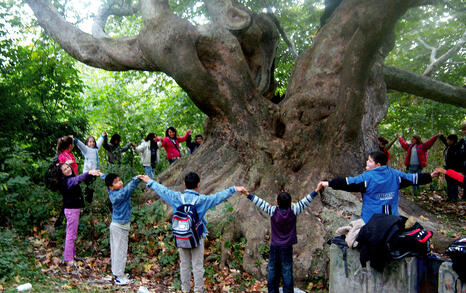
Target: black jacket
{"points": [[374, 239], [452, 155], [71, 191]]}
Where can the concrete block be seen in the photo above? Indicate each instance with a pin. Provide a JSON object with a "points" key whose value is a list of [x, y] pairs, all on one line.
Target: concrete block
{"points": [[398, 276], [448, 280]]}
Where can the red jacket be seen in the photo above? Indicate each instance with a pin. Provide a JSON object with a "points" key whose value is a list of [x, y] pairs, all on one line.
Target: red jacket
{"points": [[422, 149], [172, 151], [66, 155], [455, 175]]}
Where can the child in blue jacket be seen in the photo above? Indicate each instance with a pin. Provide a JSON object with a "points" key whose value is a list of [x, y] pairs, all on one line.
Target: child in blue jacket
{"points": [[283, 236], [120, 197], [379, 186], [203, 203]]}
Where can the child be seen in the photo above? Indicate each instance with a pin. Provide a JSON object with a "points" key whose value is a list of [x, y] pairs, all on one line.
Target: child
{"points": [[171, 144], [149, 152], [90, 151], [203, 203], [114, 150], [119, 228], [384, 146], [73, 202], [283, 226], [452, 158], [193, 146], [416, 154], [64, 147], [379, 186]]}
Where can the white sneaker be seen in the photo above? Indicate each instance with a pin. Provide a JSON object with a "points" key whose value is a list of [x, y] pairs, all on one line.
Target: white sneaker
{"points": [[121, 281]]}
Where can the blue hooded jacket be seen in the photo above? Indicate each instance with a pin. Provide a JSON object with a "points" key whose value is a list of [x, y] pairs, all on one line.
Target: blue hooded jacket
{"points": [[382, 185], [121, 200]]}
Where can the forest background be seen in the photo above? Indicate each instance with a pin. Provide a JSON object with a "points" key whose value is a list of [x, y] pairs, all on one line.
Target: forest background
{"points": [[46, 94]]}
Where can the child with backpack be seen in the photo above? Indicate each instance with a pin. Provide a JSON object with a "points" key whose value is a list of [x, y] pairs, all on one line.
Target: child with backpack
{"points": [[90, 150], [283, 226], [171, 144], [120, 197], [73, 202], [189, 209], [379, 186]]}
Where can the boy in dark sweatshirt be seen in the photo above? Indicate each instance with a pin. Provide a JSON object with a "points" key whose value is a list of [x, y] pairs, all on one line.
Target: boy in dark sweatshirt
{"points": [[283, 227]]}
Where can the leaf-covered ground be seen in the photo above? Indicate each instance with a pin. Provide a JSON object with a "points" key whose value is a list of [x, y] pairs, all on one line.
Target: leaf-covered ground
{"points": [[153, 260]]}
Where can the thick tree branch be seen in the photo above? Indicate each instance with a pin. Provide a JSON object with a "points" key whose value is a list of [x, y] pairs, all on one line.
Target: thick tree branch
{"points": [[435, 62], [109, 54], [225, 14], [404, 81], [109, 8]]}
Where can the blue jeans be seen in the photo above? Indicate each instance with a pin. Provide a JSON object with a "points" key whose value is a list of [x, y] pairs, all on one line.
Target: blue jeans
{"points": [[149, 171], [415, 169], [280, 265]]}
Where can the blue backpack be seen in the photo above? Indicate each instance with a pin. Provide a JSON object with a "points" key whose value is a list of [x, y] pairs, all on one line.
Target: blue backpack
{"points": [[187, 228]]}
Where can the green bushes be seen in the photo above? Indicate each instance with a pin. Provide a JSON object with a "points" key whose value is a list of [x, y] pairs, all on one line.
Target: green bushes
{"points": [[15, 257], [25, 203]]}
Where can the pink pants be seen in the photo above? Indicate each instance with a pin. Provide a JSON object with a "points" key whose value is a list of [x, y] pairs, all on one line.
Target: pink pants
{"points": [[72, 222]]}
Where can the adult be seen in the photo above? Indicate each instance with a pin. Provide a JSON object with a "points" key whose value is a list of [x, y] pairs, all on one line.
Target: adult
{"points": [[171, 144], [416, 154], [149, 152]]}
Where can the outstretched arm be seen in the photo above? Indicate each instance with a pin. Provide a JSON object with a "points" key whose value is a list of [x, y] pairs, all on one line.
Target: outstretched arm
{"points": [[341, 183], [403, 143], [81, 146], [124, 193], [389, 145], [262, 204], [214, 199], [301, 205], [422, 179], [99, 142], [170, 196], [428, 144]]}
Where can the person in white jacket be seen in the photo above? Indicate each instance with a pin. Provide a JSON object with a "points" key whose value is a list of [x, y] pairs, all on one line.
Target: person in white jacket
{"points": [[148, 150], [90, 150]]}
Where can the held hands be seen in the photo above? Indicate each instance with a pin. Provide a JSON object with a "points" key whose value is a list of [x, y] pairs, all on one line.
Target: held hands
{"points": [[189, 131], [437, 172], [241, 189], [144, 178], [95, 172], [321, 186]]}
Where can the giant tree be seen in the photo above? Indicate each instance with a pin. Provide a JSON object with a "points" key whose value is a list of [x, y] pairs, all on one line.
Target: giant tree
{"points": [[323, 126]]}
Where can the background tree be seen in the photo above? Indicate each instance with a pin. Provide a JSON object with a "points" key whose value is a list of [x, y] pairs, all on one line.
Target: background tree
{"points": [[323, 126]]}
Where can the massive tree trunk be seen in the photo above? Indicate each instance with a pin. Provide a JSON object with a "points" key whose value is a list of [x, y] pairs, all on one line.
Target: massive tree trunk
{"points": [[324, 127]]}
